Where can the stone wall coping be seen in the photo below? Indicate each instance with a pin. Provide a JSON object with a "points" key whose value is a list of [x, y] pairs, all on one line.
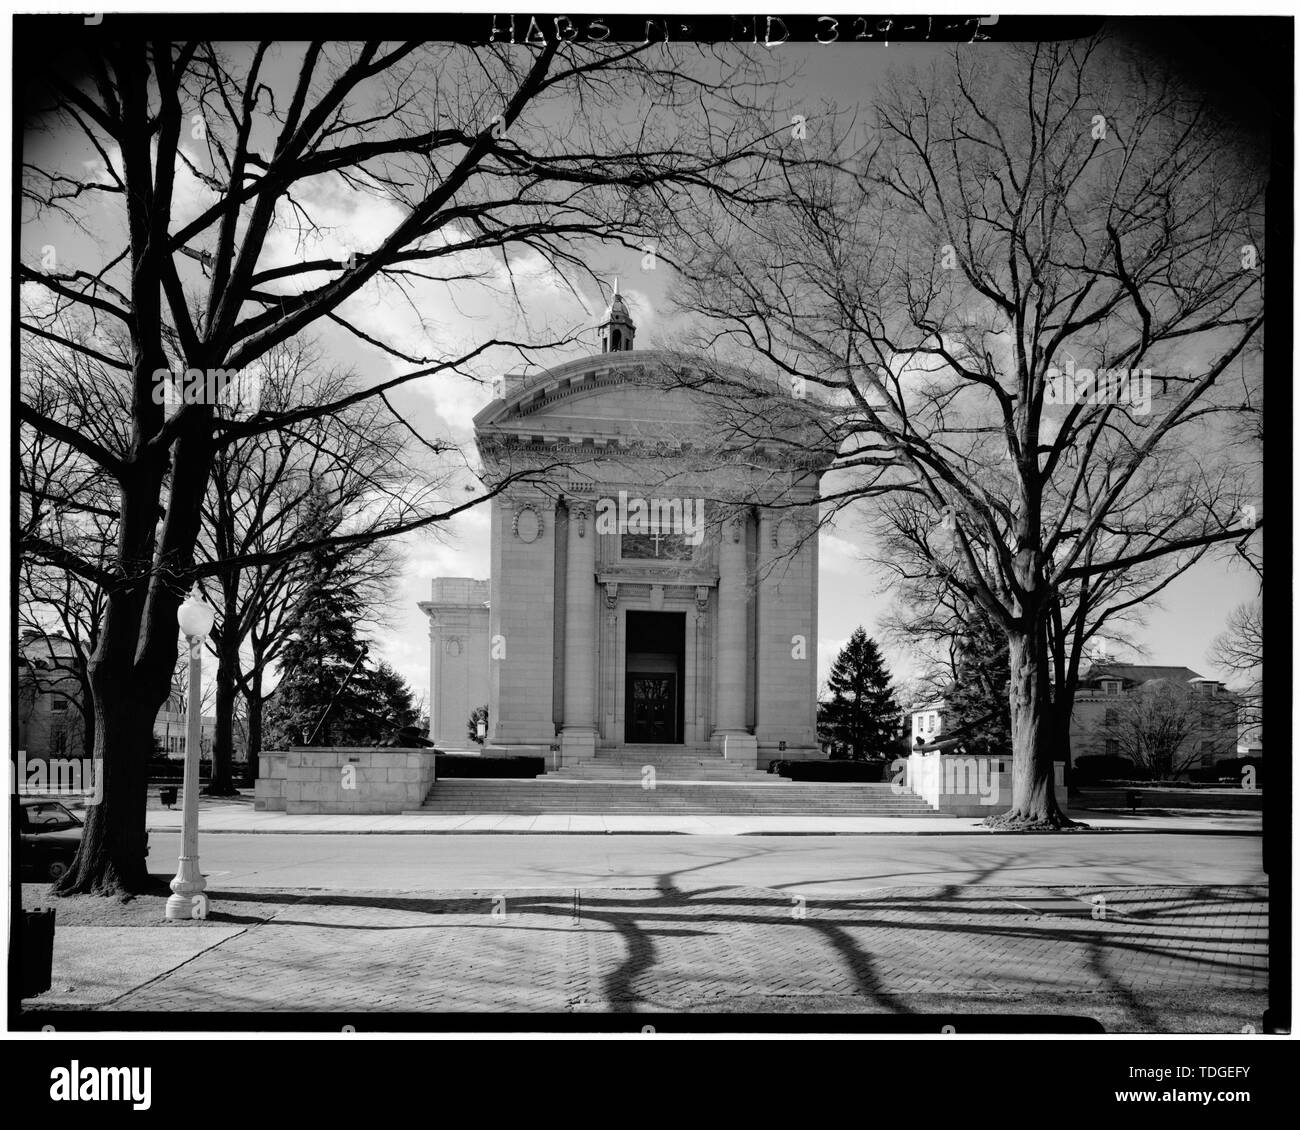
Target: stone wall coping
{"points": [[348, 749]]}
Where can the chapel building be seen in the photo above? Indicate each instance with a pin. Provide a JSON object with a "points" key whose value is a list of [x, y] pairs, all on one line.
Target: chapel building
{"points": [[653, 582]]}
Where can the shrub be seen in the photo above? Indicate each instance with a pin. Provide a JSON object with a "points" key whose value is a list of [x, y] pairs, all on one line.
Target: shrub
{"points": [[451, 765], [1233, 766], [868, 771], [1105, 767]]}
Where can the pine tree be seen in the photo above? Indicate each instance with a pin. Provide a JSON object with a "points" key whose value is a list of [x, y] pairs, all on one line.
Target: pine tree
{"points": [[862, 713], [383, 693], [978, 703], [322, 648]]}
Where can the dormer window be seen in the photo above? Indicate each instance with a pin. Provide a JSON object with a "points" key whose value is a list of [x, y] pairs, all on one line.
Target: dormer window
{"points": [[1110, 686]]}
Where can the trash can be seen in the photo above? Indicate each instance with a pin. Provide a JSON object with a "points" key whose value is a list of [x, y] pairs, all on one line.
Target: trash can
{"points": [[1134, 797], [168, 796], [36, 954]]}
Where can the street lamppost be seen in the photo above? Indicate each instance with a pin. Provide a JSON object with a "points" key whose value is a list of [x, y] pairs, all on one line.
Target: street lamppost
{"points": [[195, 617]]}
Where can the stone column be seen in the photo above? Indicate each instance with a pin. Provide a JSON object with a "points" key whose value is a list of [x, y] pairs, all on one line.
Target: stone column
{"points": [[731, 660], [458, 656], [699, 724], [786, 648], [578, 734], [609, 652]]}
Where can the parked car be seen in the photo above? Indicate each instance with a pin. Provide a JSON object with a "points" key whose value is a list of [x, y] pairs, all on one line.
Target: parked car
{"points": [[50, 835]]}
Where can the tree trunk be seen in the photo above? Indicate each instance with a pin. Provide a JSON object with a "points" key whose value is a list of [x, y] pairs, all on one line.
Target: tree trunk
{"points": [[88, 730], [254, 707], [221, 782], [111, 859], [1033, 796], [1062, 712]]}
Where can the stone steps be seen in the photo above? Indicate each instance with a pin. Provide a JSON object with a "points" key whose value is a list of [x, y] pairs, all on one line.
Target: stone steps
{"points": [[673, 771], [685, 798], [670, 762]]}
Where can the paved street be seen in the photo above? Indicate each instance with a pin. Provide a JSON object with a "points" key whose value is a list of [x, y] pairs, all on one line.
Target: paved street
{"points": [[807, 864]]}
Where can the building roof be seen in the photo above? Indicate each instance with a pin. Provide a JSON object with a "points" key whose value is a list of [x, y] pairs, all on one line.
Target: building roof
{"points": [[653, 404], [617, 308], [1138, 673]]}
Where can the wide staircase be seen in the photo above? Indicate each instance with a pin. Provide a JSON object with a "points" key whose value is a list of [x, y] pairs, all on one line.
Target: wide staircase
{"points": [[670, 763], [687, 781]]}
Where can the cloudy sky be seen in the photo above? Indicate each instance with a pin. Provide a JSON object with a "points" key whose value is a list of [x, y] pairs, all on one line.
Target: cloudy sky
{"points": [[439, 319]]}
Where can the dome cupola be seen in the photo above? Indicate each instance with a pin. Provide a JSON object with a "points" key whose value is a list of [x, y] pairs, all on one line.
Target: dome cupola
{"points": [[617, 330]]}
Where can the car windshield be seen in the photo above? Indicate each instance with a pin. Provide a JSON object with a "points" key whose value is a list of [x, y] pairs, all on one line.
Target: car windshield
{"points": [[49, 816]]}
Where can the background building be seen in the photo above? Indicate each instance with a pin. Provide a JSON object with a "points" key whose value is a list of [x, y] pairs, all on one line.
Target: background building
{"points": [[50, 721]]}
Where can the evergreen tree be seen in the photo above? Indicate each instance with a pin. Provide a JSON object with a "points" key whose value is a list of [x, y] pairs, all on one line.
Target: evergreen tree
{"points": [[322, 648], [382, 694], [862, 713], [978, 702]]}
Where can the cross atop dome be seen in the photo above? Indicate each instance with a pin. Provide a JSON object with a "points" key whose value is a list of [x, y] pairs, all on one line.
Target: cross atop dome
{"points": [[617, 330]]}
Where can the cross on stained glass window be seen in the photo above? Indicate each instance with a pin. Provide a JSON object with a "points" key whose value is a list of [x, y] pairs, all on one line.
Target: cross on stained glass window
{"points": [[661, 546]]}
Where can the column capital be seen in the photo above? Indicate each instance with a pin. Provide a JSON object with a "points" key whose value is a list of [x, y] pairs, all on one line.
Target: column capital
{"points": [[579, 512], [733, 527]]}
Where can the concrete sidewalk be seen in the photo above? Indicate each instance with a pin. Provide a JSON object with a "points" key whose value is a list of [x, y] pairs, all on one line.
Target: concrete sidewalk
{"points": [[215, 817], [1133, 959]]}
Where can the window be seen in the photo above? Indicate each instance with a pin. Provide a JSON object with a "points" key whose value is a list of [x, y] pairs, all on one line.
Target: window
{"points": [[58, 739], [1112, 747], [48, 817], [1112, 716], [1110, 686], [58, 705], [648, 547]]}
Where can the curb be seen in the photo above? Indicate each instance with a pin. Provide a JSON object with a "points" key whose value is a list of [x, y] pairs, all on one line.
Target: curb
{"points": [[677, 832]]}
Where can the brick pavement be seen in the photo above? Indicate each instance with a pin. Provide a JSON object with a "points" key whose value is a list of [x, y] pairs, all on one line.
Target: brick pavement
{"points": [[743, 949]]}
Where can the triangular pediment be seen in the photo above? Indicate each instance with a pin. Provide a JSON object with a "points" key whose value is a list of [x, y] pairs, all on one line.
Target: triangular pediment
{"points": [[645, 402]]}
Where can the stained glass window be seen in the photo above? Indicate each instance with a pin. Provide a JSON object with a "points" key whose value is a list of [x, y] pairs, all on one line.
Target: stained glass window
{"points": [[664, 547]]}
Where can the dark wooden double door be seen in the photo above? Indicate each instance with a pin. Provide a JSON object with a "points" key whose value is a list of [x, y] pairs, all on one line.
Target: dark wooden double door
{"points": [[652, 708]]}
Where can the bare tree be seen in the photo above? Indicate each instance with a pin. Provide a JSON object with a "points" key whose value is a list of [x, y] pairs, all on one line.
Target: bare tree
{"points": [[255, 507], [66, 499], [1011, 224], [1239, 650], [934, 614], [483, 155], [1166, 727]]}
